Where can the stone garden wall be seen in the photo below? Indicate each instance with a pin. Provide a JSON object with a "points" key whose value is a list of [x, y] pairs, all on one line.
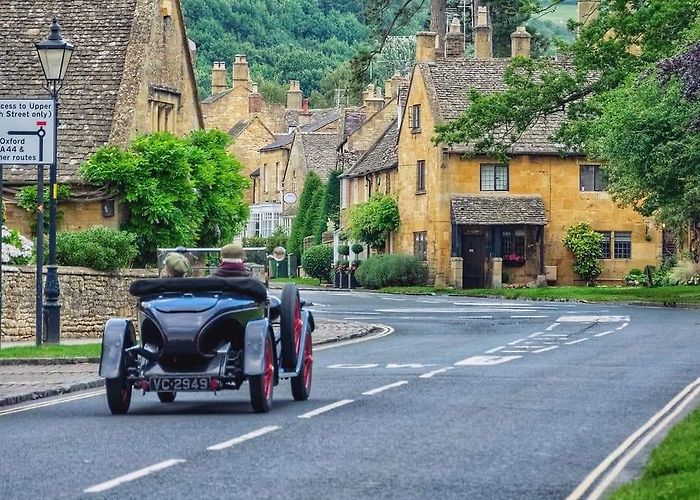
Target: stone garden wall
{"points": [[88, 299]]}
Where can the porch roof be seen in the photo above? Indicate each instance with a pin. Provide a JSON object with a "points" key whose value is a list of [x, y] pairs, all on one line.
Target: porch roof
{"points": [[487, 210]]}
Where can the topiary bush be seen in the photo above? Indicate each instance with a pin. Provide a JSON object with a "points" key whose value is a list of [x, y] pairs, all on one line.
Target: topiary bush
{"points": [[357, 248], [98, 247], [391, 270], [317, 262], [343, 250]]}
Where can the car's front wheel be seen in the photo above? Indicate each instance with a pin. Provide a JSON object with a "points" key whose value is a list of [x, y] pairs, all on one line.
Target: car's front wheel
{"points": [[119, 392], [301, 384], [166, 397], [261, 385]]}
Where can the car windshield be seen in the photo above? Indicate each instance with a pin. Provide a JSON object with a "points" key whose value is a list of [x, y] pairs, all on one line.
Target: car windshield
{"points": [[205, 261]]}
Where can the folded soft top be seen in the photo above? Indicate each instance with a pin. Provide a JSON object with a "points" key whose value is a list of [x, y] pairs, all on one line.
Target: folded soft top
{"points": [[249, 287]]}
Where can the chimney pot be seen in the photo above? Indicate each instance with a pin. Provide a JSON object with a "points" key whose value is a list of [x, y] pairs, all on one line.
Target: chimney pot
{"points": [[425, 46], [454, 42], [218, 77], [294, 96], [520, 42], [305, 105], [241, 72]]}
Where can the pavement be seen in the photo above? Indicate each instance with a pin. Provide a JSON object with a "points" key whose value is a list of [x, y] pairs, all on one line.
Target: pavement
{"points": [[27, 380]]}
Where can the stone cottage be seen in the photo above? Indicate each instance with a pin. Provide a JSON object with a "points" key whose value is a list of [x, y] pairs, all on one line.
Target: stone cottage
{"points": [[131, 73]]}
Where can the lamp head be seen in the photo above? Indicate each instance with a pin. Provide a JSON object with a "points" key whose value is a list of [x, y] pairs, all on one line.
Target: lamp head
{"points": [[54, 54]]}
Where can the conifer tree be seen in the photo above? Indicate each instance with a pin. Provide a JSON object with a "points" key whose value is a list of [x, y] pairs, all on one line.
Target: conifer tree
{"points": [[312, 183]]}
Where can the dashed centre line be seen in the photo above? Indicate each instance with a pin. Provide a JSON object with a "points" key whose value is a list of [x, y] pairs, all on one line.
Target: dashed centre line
{"points": [[551, 348], [552, 327], [383, 388], [245, 437], [108, 485], [324, 409], [603, 334], [577, 341], [435, 372]]}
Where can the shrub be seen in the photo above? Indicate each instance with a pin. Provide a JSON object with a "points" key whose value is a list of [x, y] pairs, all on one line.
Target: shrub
{"points": [[357, 248], [99, 248], [392, 270], [584, 243], [686, 272], [635, 277], [317, 262], [372, 221], [343, 250], [16, 249]]}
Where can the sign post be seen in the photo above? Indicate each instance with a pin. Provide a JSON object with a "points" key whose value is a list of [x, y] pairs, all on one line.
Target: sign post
{"points": [[28, 137]]}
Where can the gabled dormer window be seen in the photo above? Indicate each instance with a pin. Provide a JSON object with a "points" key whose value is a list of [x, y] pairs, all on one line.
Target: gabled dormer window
{"points": [[415, 118]]}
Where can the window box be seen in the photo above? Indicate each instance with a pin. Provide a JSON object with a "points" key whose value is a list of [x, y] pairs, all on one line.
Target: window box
{"points": [[513, 260]]}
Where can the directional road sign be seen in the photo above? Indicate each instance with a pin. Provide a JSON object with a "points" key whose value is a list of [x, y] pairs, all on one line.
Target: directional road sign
{"points": [[27, 131]]}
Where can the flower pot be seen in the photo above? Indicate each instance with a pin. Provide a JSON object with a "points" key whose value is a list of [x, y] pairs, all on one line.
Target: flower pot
{"points": [[513, 263], [352, 282]]}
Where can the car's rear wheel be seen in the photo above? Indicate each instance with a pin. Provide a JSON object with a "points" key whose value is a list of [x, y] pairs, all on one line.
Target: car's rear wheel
{"points": [[261, 385], [119, 391], [290, 326], [301, 384], [167, 397]]}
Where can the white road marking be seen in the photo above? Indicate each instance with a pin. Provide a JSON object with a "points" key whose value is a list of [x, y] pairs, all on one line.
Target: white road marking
{"points": [[682, 399], [476, 317], [495, 349], [372, 392], [452, 310], [245, 437], [386, 330], [516, 341], [407, 365], [546, 349], [528, 317], [603, 334], [622, 327], [394, 299], [108, 485], [349, 366], [355, 318], [326, 408], [517, 352], [435, 372], [555, 335], [333, 313], [536, 334], [57, 401], [593, 319], [577, 341], [486, 360], [552, 327]]}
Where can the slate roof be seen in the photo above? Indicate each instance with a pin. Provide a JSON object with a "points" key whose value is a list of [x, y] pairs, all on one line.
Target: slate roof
{"points": [[449, 80], [382, 155], [319, 152], [486, 210], [215, 97], [238, 128], [93, 80], [320, 121]]}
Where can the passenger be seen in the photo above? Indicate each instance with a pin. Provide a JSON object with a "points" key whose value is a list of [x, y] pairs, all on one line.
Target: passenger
{"points": [[176, 265], [232, 262]]}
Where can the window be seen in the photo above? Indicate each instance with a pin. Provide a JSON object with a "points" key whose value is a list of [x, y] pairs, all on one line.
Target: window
{"points": [[264, 177], [278, 179], [623, 245], [420, 177], [616, 244], [420, 245], [369, 186], [513, 242], [494, 177], [415, 117], [164, 104], [605, 244], [593, 178]]}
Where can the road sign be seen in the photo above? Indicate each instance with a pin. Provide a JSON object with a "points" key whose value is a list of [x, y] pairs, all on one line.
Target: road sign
{"points": [[27, 131]]}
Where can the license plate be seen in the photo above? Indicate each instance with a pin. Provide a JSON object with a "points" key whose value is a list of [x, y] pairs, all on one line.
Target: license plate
{"points": [[176, 384]]}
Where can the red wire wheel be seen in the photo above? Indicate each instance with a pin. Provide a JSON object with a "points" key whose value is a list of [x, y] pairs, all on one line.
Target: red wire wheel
{"points": [[301, 384], [290, 326], [261, 385]]}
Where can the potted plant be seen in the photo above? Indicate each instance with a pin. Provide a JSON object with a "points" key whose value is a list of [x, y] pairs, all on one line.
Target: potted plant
{"points": [[352, 282], [513, 260], [340, 271]]}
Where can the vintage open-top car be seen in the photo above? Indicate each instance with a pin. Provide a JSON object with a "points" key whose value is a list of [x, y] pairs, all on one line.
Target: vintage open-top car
{"points": [[208, 334]]}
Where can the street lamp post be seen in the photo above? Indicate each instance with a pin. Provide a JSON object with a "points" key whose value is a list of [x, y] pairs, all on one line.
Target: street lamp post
{"points": [[54, 54]]}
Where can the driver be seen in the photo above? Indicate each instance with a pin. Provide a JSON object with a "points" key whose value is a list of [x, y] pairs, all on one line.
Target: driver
{"points": [[232, 262], [176, 265]]}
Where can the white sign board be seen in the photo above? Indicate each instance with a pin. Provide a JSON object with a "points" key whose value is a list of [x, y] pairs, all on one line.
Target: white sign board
{"points": [[27, 131]]}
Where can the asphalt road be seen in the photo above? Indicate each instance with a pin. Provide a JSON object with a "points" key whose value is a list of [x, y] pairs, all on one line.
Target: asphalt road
{"points": [[468, 398]]}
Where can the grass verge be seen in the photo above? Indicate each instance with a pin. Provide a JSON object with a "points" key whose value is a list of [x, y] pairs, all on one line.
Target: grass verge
{"points": [[53, 351], [669, 295], [673, 470], [298, 281]]}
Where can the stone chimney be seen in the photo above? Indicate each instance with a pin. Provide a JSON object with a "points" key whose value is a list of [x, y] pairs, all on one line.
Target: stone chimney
{"points": [[255, 100], [587, 11], [388, 90], [425, 46], [520, 42], [373, 100], [218, 77], [294, 95], [483, 34], [305, 105], [396, 81], [241, 73], [454, 40]]}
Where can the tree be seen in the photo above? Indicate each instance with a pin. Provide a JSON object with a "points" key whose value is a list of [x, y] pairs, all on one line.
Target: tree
{"points": [[313, 189], [331, 204], [372, 221], [637, 55], [176, 191]]}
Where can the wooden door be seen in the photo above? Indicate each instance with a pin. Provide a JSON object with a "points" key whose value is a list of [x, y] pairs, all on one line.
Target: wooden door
{"points": [[473, 261]]}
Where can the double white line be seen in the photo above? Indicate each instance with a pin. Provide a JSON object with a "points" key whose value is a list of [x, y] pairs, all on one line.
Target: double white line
{"points": [[633, 445]]}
